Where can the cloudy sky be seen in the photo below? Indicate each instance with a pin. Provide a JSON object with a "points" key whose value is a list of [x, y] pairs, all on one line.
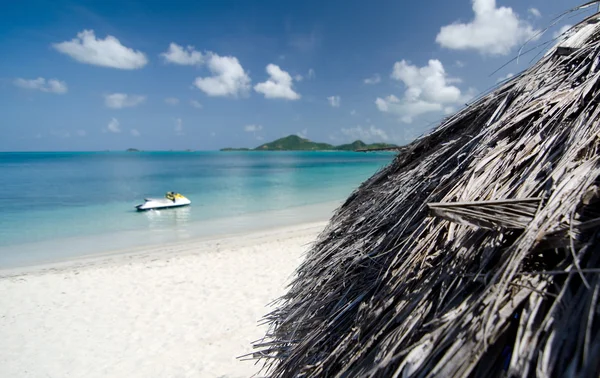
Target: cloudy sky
{"points": [[206, 74]]}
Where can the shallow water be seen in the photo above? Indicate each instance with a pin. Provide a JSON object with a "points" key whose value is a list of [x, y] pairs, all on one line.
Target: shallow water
{"points": [[60, 205]]}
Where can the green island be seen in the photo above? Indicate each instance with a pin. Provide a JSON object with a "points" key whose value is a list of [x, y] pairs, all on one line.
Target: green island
{"points": [[296, 143]]}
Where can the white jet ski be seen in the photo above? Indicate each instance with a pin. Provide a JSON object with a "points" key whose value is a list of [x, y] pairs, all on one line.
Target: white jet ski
{"points": [[171, 199]]}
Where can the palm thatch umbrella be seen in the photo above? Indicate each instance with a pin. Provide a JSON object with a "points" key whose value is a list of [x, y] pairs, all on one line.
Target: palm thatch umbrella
{"points": [[475, 253]]}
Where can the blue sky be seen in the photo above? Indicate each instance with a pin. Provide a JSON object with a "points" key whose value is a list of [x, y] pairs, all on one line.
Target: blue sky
{"points": [[108, 75]]}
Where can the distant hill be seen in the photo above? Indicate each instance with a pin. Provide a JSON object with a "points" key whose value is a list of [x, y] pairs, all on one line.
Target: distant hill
{"points": [[356, 145], [296, 143], [235, 149], [293, 143], [360, 145]]}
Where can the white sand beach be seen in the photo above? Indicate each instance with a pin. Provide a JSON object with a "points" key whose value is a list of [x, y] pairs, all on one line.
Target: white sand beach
{"points": [[180, 310]]}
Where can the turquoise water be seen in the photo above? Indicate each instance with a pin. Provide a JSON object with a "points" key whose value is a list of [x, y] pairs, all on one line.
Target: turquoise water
{"points": [[62, 205]]}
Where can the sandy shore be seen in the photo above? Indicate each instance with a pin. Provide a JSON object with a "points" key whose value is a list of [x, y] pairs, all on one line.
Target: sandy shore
{"points": [[182, 310]]}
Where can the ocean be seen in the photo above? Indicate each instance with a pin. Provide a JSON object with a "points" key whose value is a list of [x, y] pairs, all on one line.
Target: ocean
{"points": [[63, 205]]}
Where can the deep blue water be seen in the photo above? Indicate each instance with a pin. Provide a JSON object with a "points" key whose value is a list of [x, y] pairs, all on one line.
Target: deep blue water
{"points": [[87, 199]]}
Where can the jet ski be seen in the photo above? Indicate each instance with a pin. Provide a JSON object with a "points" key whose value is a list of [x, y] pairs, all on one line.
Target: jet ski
{"points": [[171, 199]]}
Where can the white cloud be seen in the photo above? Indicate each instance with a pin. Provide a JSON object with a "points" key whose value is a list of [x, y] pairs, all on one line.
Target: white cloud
{"points": [[41, 84], [252, 128], [56, 86], [303, 133], [179, 126], [429, 82], [535, 12], [559, 33], [187, 56], [373, 79], [81, 133], [407, 109], [196, 104], [493, 31], [366, 134], [382, 104], [298, 77], [229, 77], [113, 126], [122, 100], [135, 133], [172, 100], [449, 110], [508, 76], [353, 112], [311, 74], [459, 64], [108, 52], [279, 84], [334, 101], [428, 89]]}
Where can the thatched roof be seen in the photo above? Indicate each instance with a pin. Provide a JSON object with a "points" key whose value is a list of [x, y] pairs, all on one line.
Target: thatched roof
{"points": [[499, 276]]}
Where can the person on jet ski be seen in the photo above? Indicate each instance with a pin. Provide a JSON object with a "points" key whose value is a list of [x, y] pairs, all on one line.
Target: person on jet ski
{"points": [[171, 196]]}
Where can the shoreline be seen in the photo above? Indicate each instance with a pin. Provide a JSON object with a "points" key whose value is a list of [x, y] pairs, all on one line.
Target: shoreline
{"points": [[163, 251], [180, 309], [18, 256]]}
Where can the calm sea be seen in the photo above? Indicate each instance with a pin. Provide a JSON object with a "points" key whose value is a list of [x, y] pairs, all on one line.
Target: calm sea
{"points": [[63, 205]]}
